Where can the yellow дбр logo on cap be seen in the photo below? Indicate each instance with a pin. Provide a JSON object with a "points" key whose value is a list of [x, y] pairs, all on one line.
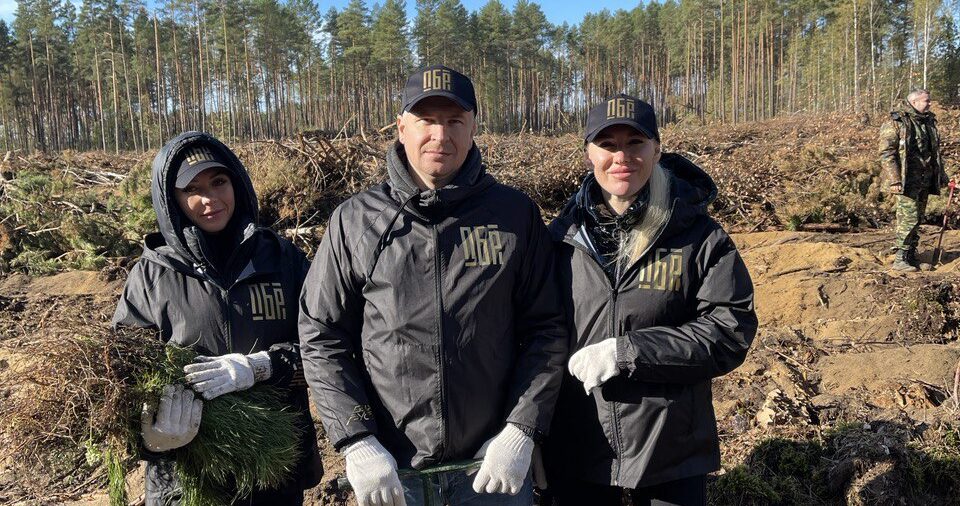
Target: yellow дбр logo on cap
{"points": [[199, 154], [437, 79], [620, 108]]}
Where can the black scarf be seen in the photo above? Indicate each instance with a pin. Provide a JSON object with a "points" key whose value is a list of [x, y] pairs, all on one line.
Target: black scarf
{"points": [[609, 231]]}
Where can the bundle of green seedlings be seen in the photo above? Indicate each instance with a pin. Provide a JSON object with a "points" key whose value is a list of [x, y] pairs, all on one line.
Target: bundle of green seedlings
{"points": [[74, 405]]}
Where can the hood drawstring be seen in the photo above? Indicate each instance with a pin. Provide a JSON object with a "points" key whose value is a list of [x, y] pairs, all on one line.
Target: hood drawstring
{"points": [[382, 242]]}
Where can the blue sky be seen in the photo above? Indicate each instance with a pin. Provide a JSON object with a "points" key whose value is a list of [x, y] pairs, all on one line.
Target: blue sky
{"points": [[557, 11], [7, 8]]}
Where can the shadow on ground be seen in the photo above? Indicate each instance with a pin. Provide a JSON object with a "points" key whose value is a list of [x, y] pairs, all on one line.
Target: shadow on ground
{"points": [[880, 462]]}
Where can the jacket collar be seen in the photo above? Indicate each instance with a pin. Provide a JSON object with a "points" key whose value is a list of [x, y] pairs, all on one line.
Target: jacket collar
{"points": [[263, 257], [908, 111], [692, 191], [471, 178]]}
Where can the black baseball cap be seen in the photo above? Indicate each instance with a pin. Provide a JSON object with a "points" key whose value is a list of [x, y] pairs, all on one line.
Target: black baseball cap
{"points": [[622, 109], [198, 159], [439, 81]]}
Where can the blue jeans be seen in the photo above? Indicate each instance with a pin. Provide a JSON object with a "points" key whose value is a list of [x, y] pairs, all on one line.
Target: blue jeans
{"points": [[455, 488]]}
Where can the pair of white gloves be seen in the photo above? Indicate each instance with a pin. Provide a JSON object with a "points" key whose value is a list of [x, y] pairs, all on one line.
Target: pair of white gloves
{"points": [[177, 420], [372, 471]]}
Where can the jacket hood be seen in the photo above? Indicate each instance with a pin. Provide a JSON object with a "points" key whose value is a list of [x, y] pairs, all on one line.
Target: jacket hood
{"points": [[471, 178], [691, 188], [179, 239], [906, 109]]}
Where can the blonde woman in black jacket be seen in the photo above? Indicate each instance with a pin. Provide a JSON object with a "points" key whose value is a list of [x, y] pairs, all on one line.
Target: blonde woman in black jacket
{"points": [[660, 303]]}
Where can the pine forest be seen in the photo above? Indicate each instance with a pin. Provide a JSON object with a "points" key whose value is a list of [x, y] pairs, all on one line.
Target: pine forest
{"points": [[116, 75]]}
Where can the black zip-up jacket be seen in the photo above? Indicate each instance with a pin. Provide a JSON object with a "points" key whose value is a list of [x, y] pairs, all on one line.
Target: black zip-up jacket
{"points": [[249, 307], [682, 315], [430, 319]]}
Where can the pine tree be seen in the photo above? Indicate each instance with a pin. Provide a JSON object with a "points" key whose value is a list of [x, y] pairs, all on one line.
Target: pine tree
{"points": [[390, 55]]}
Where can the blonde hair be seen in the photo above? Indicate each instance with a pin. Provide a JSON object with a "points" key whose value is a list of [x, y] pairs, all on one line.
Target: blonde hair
{"points": [[654, 219]]}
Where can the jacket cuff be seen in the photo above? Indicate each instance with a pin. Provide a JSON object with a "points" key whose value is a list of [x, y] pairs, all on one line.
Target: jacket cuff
{"points": [[530, 432], [150, 455], [342, 445], [286, 366]]}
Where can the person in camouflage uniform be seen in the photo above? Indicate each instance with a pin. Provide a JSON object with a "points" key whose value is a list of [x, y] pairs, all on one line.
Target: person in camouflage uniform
{"points": [[912, 169]]}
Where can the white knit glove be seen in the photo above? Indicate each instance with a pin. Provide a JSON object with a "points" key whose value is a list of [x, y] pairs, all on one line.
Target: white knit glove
{"points": [[372, 473], [212, 377], [595, 364], [177, 421], [506, 462]]}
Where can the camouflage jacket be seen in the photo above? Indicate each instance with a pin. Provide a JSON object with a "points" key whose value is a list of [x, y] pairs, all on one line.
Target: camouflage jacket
{"points": [[910, 151]]}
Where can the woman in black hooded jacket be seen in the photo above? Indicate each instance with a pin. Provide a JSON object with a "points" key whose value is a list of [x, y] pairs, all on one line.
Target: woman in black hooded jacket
{"points": [[213, 280], [660, 302]]}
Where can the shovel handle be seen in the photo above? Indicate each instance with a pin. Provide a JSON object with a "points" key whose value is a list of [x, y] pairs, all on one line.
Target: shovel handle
{"points": [[938, 251]]}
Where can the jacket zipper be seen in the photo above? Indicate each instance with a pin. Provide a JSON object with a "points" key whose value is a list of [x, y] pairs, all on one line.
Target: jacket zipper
{"points": [[613, 405], [618, 446], [614, 331], [201, 269], [440, 358], [227, 313], [225, 309]]}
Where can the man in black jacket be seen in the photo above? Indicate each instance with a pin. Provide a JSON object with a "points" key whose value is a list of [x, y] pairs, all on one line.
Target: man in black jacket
{"points": [[430, 325]]}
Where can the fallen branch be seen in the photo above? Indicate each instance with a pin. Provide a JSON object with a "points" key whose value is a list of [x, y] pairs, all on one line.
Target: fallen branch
{"points": [[956, 385]]}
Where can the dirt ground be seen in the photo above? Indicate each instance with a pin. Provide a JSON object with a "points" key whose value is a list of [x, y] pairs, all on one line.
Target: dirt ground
{"points": [[842, 340]]}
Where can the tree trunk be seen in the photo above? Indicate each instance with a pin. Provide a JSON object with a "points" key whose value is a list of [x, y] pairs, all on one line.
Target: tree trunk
{"points": [[7, 127], [103, 128], [116, 99], [38, 133], [226, 73], [723, 69], [144, 140], [161, 96], [126, 85], [53, 116], [249, 79], [873, 62], [200, 84], [179, 102], [856, 58], [926, 39]]}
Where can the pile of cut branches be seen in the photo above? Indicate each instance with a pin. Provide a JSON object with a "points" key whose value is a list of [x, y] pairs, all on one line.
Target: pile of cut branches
{"points": [[81, 211], [803, 172], [548, 169]]}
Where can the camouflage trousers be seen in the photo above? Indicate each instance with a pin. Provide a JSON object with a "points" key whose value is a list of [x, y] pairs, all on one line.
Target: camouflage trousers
{"points": [[910, 211]]}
